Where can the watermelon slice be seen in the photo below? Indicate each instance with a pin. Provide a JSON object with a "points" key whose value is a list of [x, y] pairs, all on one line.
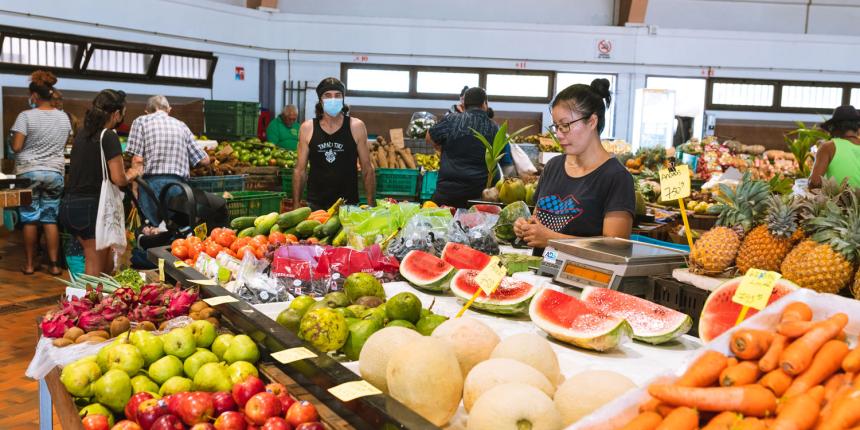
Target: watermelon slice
{"points": [[511, 298], [720, 313], [571, 320], [651, 322], [426, 271], [463, 257], [490, 209]]}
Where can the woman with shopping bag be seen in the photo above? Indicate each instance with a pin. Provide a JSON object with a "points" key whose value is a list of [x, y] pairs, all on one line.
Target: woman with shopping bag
{"points": [[92, 209]]}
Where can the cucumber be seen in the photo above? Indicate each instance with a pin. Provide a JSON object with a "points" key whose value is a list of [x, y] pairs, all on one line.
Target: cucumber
{"points": [[247, 232], [331, 226], [324, 241], [318, 231], [242, 222], [293, 218], [306, 228]]}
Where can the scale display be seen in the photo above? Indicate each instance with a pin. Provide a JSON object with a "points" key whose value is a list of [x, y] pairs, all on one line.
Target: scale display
{"points": [[583, 275]]}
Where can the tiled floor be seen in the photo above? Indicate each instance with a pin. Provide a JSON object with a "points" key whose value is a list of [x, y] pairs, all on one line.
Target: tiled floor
{"points": [[22, 300]]}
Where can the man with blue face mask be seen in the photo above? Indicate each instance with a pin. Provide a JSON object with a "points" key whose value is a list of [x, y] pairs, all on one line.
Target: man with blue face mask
{"points": [[333, 143]]}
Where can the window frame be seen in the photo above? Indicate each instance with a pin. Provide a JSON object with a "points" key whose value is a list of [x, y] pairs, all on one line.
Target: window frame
{"points": [[613, 88], [776, 102]]}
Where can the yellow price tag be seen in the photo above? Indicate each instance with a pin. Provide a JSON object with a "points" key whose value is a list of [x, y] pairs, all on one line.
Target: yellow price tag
{"points": [[354, 389], [204, 281], [293, 354], [201, 231], [215, 301], [491, 276], [179, 264], [161, 269], [675, 184], [755, 288]]}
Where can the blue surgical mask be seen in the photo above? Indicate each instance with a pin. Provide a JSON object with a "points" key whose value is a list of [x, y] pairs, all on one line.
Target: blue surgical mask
{"points": [[332, 106]]}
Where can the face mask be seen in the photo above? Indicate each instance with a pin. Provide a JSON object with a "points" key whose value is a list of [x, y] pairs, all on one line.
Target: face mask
{"points": [[332, 107]]}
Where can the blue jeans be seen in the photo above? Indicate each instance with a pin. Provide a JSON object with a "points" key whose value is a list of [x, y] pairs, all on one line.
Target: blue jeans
{"points": [[47, 187], [148, 207]]}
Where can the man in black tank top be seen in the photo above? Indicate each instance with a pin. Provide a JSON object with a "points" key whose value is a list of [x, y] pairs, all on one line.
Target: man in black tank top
{"points": [[333, 143]]}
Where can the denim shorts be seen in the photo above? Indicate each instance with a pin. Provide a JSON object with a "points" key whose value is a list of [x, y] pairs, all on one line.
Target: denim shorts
{"points": [[47, 187], [78, 215]]}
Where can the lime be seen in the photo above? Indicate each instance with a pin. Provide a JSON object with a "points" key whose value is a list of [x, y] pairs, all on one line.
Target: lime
{"points": [[427, 324], [362, 284], [401, 323], [404, 306], [302, 303]]}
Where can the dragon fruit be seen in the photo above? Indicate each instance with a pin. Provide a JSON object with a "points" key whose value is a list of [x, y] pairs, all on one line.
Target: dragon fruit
{"points": [[55, 324], [127, 295], [94, 295], [150, 313], [150, 294], [75, 306], [111, 307], [179, 301], [92, 320]]}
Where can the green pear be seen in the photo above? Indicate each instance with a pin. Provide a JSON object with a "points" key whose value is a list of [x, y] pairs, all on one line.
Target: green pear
{"points": [[113, 389], [242, 348], [102, 357], [241, 370], [125, 357], [97, 409], [78, 377], [213, 377], [179, 342], [176, 384], [220, 345], [150, 346], [141, 383], [204, 333], [197, 360], [164, 368]]}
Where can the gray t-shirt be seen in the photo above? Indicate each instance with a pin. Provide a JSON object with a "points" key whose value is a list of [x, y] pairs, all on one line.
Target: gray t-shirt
{"points": [[46, 133]]}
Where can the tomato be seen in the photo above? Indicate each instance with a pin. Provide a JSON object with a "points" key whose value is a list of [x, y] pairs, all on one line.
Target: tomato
{"points": [[177, 242], [259, 241], [192, 240], [260, 252], [231, 253], [240, 242], [240, 254], [213, 249], [179, 251], [189, 262], [224, 238], [277, 238], [291, 238], [313, 241]]}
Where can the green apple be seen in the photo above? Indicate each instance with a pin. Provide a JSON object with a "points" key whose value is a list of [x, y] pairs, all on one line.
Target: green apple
{"points": [[179, 342], [125, 357], [242, 348], [78, 377], [220, 345], [204, 333], [97, 409], [141, 383], [241, 370], [165, 368], [212, 377], [197, 360], [176, 384], [113, 389], [150, 346]]}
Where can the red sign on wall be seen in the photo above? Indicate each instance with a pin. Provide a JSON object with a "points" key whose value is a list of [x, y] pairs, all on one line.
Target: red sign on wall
{"points": [[240, 73]]}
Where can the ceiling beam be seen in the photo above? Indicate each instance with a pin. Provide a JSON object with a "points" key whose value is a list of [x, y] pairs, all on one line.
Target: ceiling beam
{"points": [[632, 11]]}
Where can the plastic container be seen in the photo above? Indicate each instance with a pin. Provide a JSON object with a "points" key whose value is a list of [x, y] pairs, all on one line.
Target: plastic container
{"points": [[428, 185], [681, 297], [397, 182], [254, 203], [217, 184], [230, 119], [263, 183]]}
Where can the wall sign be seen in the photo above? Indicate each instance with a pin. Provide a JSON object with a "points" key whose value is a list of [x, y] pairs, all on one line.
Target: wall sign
{"points": [[240, 73], [604, 49]]}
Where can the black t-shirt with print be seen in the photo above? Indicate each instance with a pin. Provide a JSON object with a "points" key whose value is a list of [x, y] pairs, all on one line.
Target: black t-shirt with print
{"points": [[85, 170]]}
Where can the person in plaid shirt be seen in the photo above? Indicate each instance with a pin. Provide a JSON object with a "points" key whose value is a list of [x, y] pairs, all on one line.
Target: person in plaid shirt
{"points": [[164, 148]]}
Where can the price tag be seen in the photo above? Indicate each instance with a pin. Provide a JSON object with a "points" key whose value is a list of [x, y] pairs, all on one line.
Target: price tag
{"points": [[224, 274], [491, 276], [161, 269], [397, 138], [354, 389], [293, 354], [675, 184], [203, 281], [550, 255], [201, 231], [215, 301], [755, 288], [179, 264]]}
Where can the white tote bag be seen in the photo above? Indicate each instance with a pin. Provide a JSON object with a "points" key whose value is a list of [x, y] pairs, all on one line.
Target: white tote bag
{"points": [[110, 221]]}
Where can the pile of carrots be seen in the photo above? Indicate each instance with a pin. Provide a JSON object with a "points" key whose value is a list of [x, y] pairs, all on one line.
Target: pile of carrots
{"points": [[800, 376], [320, 215]]}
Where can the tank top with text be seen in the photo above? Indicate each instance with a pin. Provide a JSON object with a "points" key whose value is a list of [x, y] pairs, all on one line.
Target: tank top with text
{"points": [[333, 170]]}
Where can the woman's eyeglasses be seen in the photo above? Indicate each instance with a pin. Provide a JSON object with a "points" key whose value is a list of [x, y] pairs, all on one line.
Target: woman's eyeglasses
{"points": [[564, 127]]}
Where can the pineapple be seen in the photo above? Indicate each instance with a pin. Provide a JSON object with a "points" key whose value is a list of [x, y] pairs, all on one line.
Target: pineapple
{"points": [[767, 245]]}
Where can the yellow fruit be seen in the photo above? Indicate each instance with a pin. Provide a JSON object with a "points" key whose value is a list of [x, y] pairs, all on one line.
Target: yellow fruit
{"points": [[762, 250], [429, 204], [817, 267], [715, 251]]}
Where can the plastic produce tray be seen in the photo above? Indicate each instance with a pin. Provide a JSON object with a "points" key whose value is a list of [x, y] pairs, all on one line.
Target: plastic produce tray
{"points": [[681, 297]]}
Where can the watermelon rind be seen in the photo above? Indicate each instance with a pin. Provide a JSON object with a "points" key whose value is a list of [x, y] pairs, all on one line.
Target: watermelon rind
{"points": [[517, 306], [650, 322], [440, 283], [709, 325], [613, 332]]}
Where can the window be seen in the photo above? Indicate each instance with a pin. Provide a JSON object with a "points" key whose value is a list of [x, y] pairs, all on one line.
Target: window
{"points": [[811, 97], [445, 82], [689, 99], [378, 80], [19, 50], [513, 85], [740, 94], [564, 80], [176, 66], [110, 60], [855, 97]]}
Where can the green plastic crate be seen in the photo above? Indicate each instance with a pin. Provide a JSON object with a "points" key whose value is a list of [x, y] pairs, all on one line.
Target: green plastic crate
{"points": [[254, 203], [396, 182], [428, 185], [287, 184], [230, 119], [218, 184]]}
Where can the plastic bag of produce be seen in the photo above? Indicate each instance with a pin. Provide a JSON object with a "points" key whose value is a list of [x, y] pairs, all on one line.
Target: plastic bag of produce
{"points": [[295, 268], [474, 229], [427, 231], [339, 263], [504, 229], [256, 288]]}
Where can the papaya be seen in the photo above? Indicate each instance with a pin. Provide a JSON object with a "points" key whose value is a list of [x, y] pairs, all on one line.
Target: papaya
{"points": [[305, 229], [293, 218], [264, 223], [331, 226], [291, 230], [248, 232], [318, 231], [340, 239], [242, 222]]}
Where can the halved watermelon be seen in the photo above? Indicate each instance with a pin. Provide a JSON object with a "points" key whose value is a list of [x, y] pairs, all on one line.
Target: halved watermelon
{"points": [[490, 209], [720, 313], [463, 257], [571, 320], [511, 298], [651, 322], [426, 271]]}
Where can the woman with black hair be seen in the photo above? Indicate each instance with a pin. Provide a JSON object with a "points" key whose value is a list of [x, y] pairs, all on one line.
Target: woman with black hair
{"points": [[39, 137], [80, 205], [839, 158], [587, 192]]}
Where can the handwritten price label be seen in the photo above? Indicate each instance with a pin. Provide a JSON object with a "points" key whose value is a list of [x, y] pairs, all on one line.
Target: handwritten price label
{"points": [[755, 288], [218, 300], [161, 269], [293, 354], [675, 184], [203, 281], [179, 264], [491, 277], [201, 231], [352, 390]]}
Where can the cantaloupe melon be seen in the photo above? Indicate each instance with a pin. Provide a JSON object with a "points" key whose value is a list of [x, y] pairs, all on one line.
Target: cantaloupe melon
{"points": [[473, 341], [533, 350], [514, 407], [585, 392], [498, 371], [374, 356]]}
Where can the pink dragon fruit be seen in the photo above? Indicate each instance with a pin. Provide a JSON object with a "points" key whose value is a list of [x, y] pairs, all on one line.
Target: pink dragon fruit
{"points": [[179, 301], [94, 294], [150, 294], [92, 320], [127, 295], [112, 307], [75, 306], [55, 324], [152, 313]]}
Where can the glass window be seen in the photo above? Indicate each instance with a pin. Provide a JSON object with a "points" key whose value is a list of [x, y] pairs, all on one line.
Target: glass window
{"points": [[855, 97], [689, 99], [742, 94], [564, 80], [388, 81], [445, 82], [811, 97], [17, 50], [175, 66], [108, 60], [517, 85]]}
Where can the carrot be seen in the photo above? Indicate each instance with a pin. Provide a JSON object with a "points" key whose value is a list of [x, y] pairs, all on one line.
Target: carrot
{"points": [[664, 409], [827, 361], [838, 397], [851, 362], [732, 361], [749, 344], [644, 421], [817, 393], [777, 381], [649, 406], [705, 371], [750, 400], [796, 311], [856, 381], [680, 419], [797, 356], [793, 329], [799, 413], [842, 336], [744, 373], [750, 423], [770, 359], [724, 421], [845, 414], [834, 383]]}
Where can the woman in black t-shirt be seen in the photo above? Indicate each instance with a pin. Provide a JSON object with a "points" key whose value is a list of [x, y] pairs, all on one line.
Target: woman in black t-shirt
{"points": [[586, 192], [81, 201]]}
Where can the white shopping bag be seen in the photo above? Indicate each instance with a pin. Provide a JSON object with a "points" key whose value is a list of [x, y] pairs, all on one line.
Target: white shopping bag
{"points": [[521, 161], [110, 221]]}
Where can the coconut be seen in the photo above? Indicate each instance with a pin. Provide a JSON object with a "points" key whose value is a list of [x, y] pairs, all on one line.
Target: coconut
{"points": [[512, 190], [472, 340], [533, 350], [424, 376], [498, 371], [490, 195], [585, 392], [514, 406], [374, 356]]}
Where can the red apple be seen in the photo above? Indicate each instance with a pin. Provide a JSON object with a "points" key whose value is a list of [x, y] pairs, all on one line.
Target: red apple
{"points": [[302, 412], [134, 402], [246, 389], [276, 423], [196, 407], [203, 426], [223, 402], [168, 422], [261, 407], [313, 425], [286, 401], [252, 427], [173, 401], [96, 422], [276, 388], [230, 420], [126, 425], [149, 411]]}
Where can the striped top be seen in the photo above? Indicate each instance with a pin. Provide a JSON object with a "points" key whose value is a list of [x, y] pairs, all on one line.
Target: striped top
{"points": [[45, 135]]}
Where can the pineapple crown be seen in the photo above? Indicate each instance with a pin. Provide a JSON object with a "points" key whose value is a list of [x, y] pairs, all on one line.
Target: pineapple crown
{"points": [[744, 206], [839, 227], [815, 203], [781, 218]]}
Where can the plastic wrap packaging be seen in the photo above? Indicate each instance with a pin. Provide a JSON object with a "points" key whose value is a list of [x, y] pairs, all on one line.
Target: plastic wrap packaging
{"points": [[294, 268], [367, 226], [504, 228], [474, 229], [426, 231], [420, 123]]}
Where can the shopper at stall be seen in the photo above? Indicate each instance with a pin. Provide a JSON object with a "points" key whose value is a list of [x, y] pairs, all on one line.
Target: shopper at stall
{"points": [[81, 201], [284, 130], [587, 192], [459, 107], [839, 158], [462, 167], [57, 103], [164, 149], [39, 137], [333, 143]]}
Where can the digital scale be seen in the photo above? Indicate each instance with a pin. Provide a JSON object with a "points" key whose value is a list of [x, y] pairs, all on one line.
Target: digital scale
{"points": [[608, 262]]}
